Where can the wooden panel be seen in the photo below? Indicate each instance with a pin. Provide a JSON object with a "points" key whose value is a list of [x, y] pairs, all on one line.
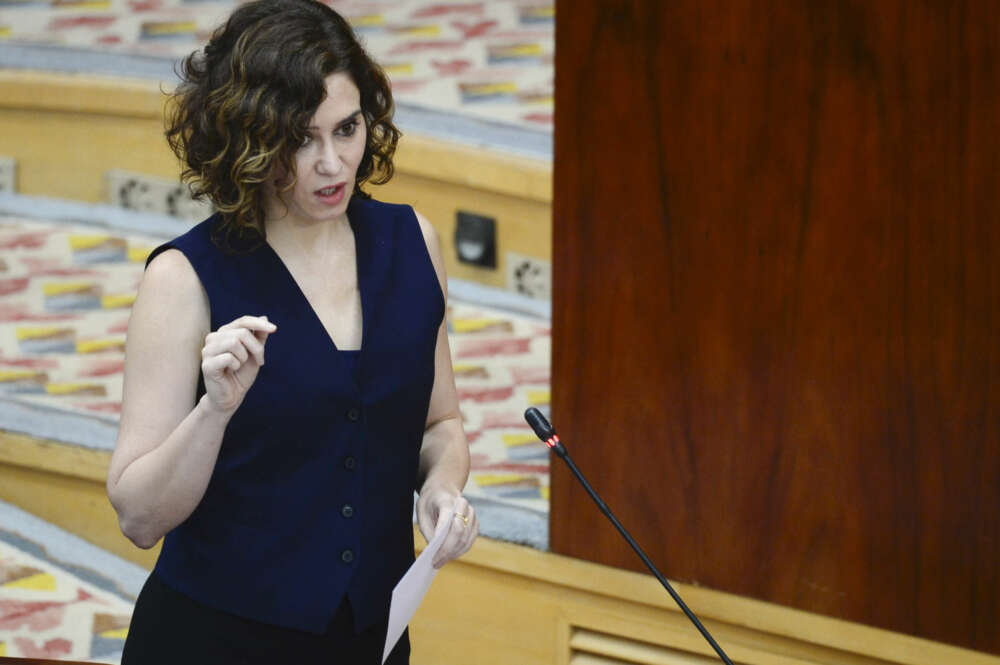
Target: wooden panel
{"points": [[78, 99], [522, 225], [65, 485], [66, 132], [589, 646], [775, 301], [80, 506], [52, 456], [504, 603]]}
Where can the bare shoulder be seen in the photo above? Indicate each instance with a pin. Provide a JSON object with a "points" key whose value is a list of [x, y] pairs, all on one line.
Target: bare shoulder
{"points": [[433, 246], [171, 311], [168, 265], [171, 282], [429, 232]]}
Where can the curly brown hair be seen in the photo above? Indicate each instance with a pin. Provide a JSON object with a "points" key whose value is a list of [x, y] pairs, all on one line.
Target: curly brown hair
{"points": [[244, 103]]}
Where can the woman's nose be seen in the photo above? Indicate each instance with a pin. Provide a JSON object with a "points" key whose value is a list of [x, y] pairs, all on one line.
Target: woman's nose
{"points": [[329, 161]]}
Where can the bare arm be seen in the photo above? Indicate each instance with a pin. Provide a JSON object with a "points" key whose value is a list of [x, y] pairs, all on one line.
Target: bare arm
{"points": [[444, 453], [167, 444]]}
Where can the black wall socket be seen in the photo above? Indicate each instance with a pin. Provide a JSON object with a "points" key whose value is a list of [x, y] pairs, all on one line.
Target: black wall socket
{"points": [[476, 239]]}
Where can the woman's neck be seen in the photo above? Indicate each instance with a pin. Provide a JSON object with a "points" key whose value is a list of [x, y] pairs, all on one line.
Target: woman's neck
{"points": [[307, 239]]}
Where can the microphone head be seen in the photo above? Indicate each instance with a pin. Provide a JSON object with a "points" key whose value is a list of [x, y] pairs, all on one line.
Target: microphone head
{"points": [[543, 429]]}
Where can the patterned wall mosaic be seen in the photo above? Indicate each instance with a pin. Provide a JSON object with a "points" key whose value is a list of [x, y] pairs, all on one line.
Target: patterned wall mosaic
{"points": [[47, 612], [65, 294], [491, 60]]}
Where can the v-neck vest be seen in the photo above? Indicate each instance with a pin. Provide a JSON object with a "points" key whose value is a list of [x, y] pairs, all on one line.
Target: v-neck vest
{"points": [[312, 494]]}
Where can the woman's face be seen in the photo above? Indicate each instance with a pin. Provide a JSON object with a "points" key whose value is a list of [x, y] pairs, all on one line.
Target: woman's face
{"points": [[327, 162]]}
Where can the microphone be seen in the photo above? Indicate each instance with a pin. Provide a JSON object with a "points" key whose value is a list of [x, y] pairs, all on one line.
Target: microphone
{"points": [[544, 430]]}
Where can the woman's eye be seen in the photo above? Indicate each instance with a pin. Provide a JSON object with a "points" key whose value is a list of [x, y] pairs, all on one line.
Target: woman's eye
{"points": [[349, 128], [306, 141]]}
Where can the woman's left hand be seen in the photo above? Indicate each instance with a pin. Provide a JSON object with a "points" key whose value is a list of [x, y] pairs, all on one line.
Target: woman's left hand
{"points": [[433, 505]]}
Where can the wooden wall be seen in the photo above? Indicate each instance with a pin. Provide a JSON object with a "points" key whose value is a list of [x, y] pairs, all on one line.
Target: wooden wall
{"points": [[777, 301], [67, 131], [502, 603]]}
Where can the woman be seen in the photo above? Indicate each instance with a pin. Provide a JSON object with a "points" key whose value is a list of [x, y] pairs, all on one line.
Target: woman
{"points": [[285, 489]]}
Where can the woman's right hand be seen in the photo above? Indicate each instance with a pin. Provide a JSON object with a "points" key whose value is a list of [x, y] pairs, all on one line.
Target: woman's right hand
{"points": [[230, 359]]}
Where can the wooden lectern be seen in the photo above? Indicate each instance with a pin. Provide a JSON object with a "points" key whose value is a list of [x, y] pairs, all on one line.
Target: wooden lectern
{"points": [[776, 303]]}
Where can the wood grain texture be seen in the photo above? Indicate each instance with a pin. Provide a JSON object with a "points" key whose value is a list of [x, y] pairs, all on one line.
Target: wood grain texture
{"points": [[503, 603], [776, 301]]}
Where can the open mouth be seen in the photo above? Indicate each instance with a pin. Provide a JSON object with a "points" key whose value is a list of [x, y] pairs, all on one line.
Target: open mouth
{"points": [[330, 191]]}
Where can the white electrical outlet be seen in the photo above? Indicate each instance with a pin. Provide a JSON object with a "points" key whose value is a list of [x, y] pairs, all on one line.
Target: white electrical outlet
{"points": [[529, 276], [136, 191], [8, 175]]}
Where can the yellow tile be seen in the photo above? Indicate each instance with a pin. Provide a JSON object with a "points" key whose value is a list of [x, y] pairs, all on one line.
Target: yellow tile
{"points": [[70, 388], [541, 12], [139, 254], [169, 28], [538, 397], [95, 345], [430, 30], [368, 21], [82, 4], [59, 288], [78, 242], [39, 582], [16, 374], [118, 300], [398, 68], [490, 88], [522, 49], [518, 439], [472, 325], [117, 634], [31, 332]]}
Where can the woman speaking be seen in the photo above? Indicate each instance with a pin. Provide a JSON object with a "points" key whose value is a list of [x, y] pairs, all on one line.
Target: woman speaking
{"points": [[288, 381]]}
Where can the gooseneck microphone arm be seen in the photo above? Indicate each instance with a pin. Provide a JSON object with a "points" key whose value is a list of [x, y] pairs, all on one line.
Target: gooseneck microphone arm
{"points": [[548, 435]]}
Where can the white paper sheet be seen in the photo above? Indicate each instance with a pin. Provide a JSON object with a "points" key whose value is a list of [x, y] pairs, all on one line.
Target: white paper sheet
{"points": [[412, 588]]}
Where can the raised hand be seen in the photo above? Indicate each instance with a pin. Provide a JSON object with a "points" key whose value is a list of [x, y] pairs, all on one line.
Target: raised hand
{"points": [[231, 358]]}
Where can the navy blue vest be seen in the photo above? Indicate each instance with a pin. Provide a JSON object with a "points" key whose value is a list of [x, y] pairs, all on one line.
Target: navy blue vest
{"points": [[312, 493]]}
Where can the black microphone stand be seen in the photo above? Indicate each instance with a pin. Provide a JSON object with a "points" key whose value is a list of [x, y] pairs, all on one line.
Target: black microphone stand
{"points": [[548, 435]]}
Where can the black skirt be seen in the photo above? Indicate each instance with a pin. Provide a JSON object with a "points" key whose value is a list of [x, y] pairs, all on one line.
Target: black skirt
{"points": [[170, 627]]}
